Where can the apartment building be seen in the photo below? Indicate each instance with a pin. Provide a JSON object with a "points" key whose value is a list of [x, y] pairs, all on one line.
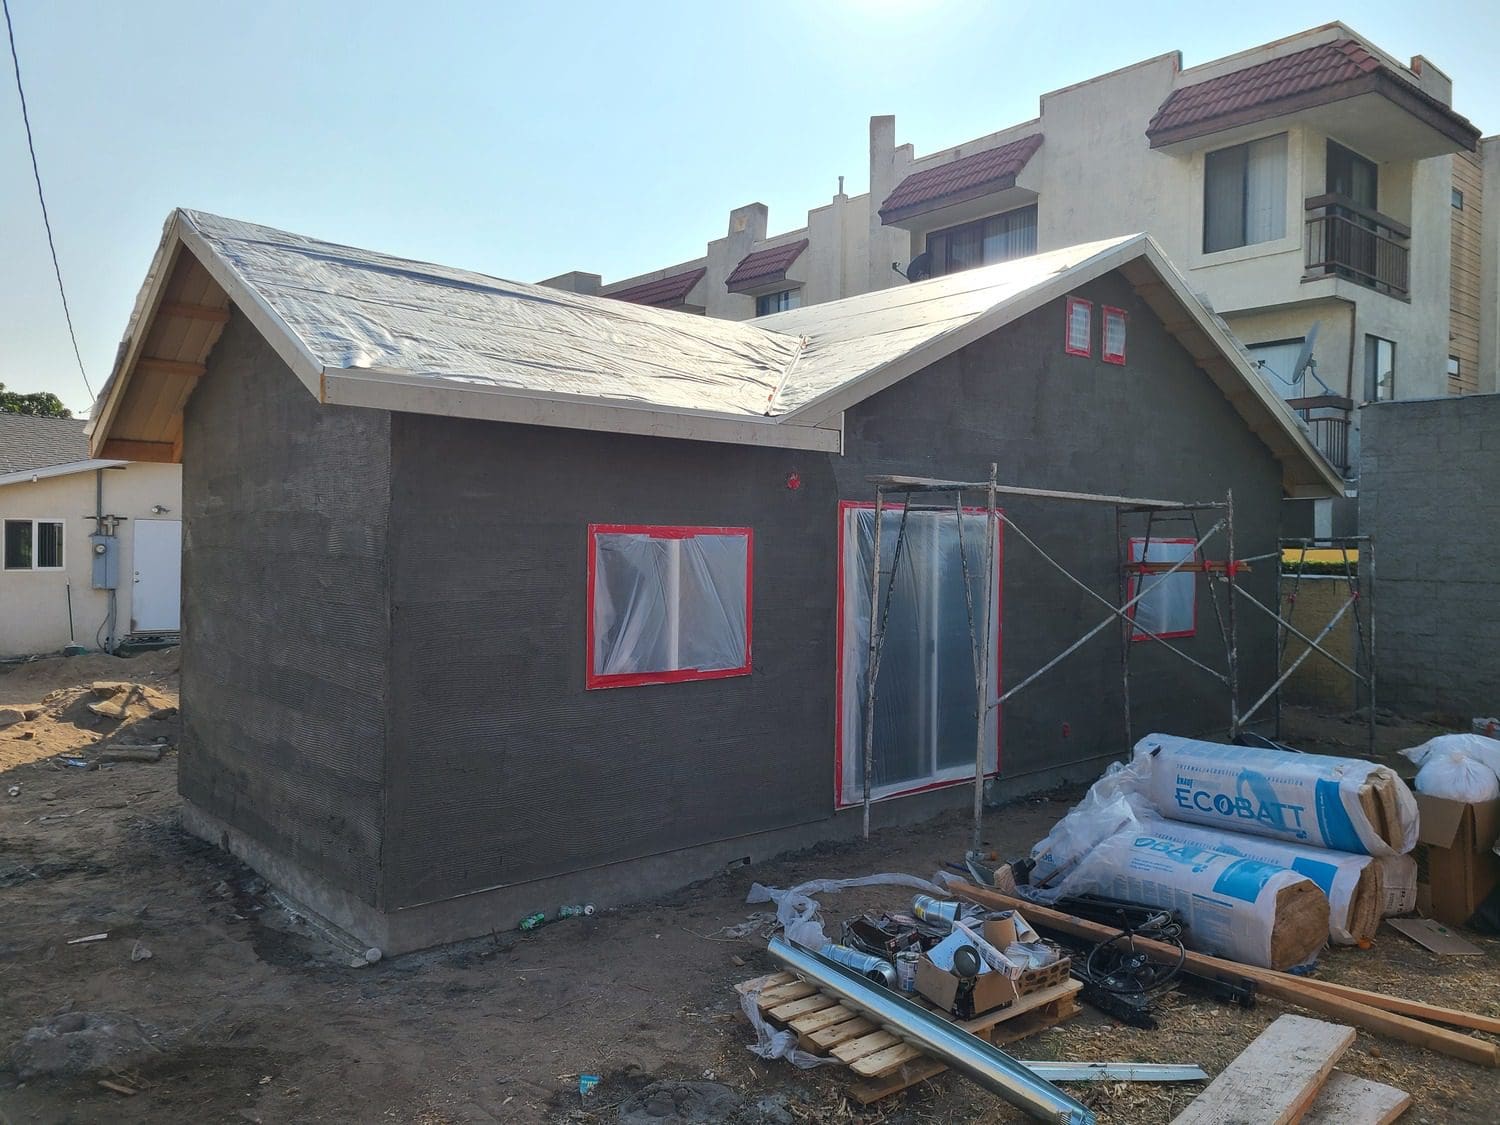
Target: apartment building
{"points": [[1324, 198]]}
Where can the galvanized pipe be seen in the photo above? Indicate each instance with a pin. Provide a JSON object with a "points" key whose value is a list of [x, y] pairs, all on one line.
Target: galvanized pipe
{"points": [[985, 1064]]}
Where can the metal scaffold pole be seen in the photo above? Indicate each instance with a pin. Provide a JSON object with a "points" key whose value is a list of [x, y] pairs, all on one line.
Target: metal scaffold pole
{"points": [[982, 672]]}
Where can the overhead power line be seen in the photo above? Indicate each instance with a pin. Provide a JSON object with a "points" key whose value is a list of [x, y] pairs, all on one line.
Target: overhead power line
{"points": [[42, 199]]}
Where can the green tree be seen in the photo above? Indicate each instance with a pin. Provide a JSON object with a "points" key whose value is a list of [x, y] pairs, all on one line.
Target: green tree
{"points": [[43, 404]]}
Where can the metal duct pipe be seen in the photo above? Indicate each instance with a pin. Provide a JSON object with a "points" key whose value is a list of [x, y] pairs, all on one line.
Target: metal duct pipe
{"points": [[987, 1065]]}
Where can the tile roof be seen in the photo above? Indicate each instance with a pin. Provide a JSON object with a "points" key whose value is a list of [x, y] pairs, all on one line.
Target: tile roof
{"points": [[29, 442], [766, 265], [666, 291], [991, 170], [1264, 84]]}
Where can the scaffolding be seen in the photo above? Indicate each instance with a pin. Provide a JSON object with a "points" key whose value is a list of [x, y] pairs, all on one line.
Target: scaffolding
{"points": [[1131, 573]]}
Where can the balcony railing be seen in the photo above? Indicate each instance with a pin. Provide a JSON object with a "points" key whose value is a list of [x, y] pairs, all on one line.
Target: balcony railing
{"points": [[1347, 240], [1327, 416]]}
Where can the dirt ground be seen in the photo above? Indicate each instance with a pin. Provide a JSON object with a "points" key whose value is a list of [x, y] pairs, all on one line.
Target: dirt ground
{"points": [[261, 1019]]}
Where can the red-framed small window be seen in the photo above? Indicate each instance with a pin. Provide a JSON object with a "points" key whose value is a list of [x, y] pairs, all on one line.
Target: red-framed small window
{"points": [[1112, 337], [1078, 331], [1170, 607], [667, 604]]}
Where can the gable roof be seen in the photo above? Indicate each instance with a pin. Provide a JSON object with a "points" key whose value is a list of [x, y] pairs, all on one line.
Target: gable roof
{"points": [[764, 266], [365, 329], [28, 442], [663, 291], [1323, 73], [992, 170]]}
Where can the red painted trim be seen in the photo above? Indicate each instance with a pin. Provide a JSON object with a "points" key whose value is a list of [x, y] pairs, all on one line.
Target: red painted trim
{"points": [[593, 679], [1132, 582], [1105, 312], [1088, 350], [838, 690]]}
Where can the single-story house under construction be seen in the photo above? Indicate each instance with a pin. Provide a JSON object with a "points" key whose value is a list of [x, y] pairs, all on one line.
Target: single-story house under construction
{"points": [[90, 548], [498, 597]]}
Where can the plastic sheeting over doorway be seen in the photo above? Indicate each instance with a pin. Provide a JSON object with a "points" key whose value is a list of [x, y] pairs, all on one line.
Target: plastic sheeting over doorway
{"points": [[925, 705]]}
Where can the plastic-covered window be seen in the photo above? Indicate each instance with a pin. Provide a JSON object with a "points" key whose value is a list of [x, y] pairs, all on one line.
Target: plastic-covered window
{"points": [[1113, 347], [1080, 329], [1170, 607], [667, 604]]}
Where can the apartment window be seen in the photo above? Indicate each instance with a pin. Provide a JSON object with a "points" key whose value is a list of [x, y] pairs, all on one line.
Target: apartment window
{"points": [[1244, 194], [1458, 200], [1078, 336], [1169, 607], [1352, 176], [667, 604], [983, 242], [1455, 369], [33, 544], [1380, 369], [768, 303], [1112, 348]]}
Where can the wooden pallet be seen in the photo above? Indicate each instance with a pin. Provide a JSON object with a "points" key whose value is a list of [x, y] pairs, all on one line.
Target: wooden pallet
{"points": [[884, 1062]]}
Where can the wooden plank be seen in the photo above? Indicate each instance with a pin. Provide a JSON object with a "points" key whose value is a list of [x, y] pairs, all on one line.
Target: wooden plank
{"points": [[817, 1021], [856, 1049], [784, 993], [194, 312], [152, 365], [1022, 1005], [791, 1010], [904, 1076], [1415, 1008], [123, 449], [871, 1066], [831, 1037], [1275, 1079], [1347, 1100], [1303, 992]]}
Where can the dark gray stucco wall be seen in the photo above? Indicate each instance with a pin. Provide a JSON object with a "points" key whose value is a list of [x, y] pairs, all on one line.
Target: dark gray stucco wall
{"points": [[285, 635], [1429, 492], [503, 768], [1156, 427]]}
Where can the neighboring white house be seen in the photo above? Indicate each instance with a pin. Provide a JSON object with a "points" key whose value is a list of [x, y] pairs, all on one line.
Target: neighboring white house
{"points": [[90, 550], [1313, 183]]}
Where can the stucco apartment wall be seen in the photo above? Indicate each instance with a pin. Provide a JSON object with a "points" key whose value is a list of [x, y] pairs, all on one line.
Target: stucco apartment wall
{"points": [[1430, 495], [34, 604]]}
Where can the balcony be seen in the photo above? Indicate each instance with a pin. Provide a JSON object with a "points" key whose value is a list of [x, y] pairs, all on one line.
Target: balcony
{"points": [[1327, 418], [1358, 243]]}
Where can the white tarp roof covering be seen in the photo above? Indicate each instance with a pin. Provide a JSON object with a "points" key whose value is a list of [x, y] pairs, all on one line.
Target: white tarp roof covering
{"points": [[363, 328]]}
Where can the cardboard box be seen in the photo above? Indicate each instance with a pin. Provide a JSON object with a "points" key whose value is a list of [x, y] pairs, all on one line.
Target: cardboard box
{"points": [[991, 989], [1462, 869]]}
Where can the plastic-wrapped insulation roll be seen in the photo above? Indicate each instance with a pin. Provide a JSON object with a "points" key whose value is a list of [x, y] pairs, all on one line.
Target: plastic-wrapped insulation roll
{"points": [[1344, 804], [1242, 909], [1353, 883]]}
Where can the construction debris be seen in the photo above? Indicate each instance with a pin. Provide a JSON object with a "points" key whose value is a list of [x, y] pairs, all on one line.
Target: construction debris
{"points": [[1276, 1079]]}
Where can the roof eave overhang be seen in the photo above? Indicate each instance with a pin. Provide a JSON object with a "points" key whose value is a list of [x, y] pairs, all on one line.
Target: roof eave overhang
{"points": [[1430, 112], [894, 216], [48, 472]]}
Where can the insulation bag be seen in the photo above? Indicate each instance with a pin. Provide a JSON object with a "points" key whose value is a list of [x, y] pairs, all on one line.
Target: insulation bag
{"points": [[1343, 804], [1398, 877], [1353, 883], [1483, 750], [1252, 912]]}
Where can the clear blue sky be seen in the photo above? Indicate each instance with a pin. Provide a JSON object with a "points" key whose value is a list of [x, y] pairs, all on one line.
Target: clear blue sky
{"points": [[523, 140]]}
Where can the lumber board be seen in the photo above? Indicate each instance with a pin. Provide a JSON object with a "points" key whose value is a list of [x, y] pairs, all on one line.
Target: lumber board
{"points": [[1347, 1100], [1300, 991], [1422, 1011], [1275, 1079], [817, 1021], [760, 984], [831, 1037], [888, 1059], [907, 1074], [784, 993], [791, 1010], [856, 1049]]}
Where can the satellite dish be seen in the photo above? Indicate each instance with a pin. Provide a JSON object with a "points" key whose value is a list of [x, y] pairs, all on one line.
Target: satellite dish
{"points": [[1305, 356], [918, 269]]}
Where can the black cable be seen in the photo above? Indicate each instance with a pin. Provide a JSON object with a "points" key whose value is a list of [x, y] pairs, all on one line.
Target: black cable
{"points": [[42, 199]]}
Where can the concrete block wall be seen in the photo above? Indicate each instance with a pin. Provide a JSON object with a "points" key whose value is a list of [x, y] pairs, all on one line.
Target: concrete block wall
{"points": [[1430, 495]]}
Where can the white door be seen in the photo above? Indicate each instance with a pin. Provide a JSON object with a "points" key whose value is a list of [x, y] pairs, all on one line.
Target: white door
{"points": [[156, 604]]}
